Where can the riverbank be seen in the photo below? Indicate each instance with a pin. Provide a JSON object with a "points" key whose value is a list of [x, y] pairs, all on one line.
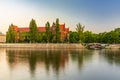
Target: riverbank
{"points": [[52, 46], [113, 46], [43, 46]]}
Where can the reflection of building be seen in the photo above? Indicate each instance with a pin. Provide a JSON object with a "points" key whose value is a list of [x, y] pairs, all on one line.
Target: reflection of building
{"points": [[2, 38], [63, 31]]}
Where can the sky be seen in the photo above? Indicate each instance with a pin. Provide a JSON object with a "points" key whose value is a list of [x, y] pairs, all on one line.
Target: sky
{"points": [[96, 15]]}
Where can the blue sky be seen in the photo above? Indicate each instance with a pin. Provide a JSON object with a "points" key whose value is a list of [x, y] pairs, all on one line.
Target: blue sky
{"points": [[96, 15]]}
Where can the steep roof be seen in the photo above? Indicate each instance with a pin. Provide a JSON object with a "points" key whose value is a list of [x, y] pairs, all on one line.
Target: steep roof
{"points": [[41, 29], [24, 29]]}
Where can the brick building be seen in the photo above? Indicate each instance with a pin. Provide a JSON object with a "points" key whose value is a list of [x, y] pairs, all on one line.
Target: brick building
{"points": [[63, 31]]}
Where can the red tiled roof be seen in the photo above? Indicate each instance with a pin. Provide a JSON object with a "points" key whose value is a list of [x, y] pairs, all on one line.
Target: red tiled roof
{"points": [[41, 29], [24, 29]]}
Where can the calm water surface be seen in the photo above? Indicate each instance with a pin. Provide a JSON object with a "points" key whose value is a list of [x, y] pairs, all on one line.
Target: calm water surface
{"points": [[23, 64]]}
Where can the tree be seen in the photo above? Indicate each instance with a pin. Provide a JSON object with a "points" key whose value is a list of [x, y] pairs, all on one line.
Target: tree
{"points": [[113, 37], [24, 37], [57, 31], [48, 32], [33, 31], [117, 30], [109, 37], [88, 37], [7, 37], [11, 35], [80, 30], [73, 37]]}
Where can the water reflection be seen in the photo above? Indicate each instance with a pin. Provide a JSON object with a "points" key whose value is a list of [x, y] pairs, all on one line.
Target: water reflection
{"points": [[81, 56], [55, 59], [111, 56], [63, 64]]}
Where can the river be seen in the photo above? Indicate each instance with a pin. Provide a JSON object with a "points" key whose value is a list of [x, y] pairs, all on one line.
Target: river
{"points": [[36, 64]]}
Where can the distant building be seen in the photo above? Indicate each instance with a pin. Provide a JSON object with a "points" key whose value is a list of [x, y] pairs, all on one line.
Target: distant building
{"points": [[63, 31], [2, 38]]}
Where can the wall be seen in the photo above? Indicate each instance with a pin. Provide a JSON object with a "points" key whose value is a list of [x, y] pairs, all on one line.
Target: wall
{"points": [[43, 46], [2, 38]]}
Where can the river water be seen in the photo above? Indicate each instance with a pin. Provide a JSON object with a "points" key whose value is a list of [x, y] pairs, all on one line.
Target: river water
{"points": [[24, 64]]}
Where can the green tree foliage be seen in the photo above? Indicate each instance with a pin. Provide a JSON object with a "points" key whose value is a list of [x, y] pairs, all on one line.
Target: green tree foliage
{"points": [[7, 37], [88, 37], [40, 37], [48, 33], [109, 37], [24, 37], [106, 37], [80, 30], [11, 35], [57, 31], [33, 31], [73, 37], [118, 32]]}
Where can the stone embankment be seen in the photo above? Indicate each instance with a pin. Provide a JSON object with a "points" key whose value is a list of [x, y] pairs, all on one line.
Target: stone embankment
{"points": [[113, 46], [43, 46]]}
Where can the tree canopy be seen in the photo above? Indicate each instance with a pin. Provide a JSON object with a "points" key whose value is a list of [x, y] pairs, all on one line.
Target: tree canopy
{"points": [[11, 35], [33, 31]]}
